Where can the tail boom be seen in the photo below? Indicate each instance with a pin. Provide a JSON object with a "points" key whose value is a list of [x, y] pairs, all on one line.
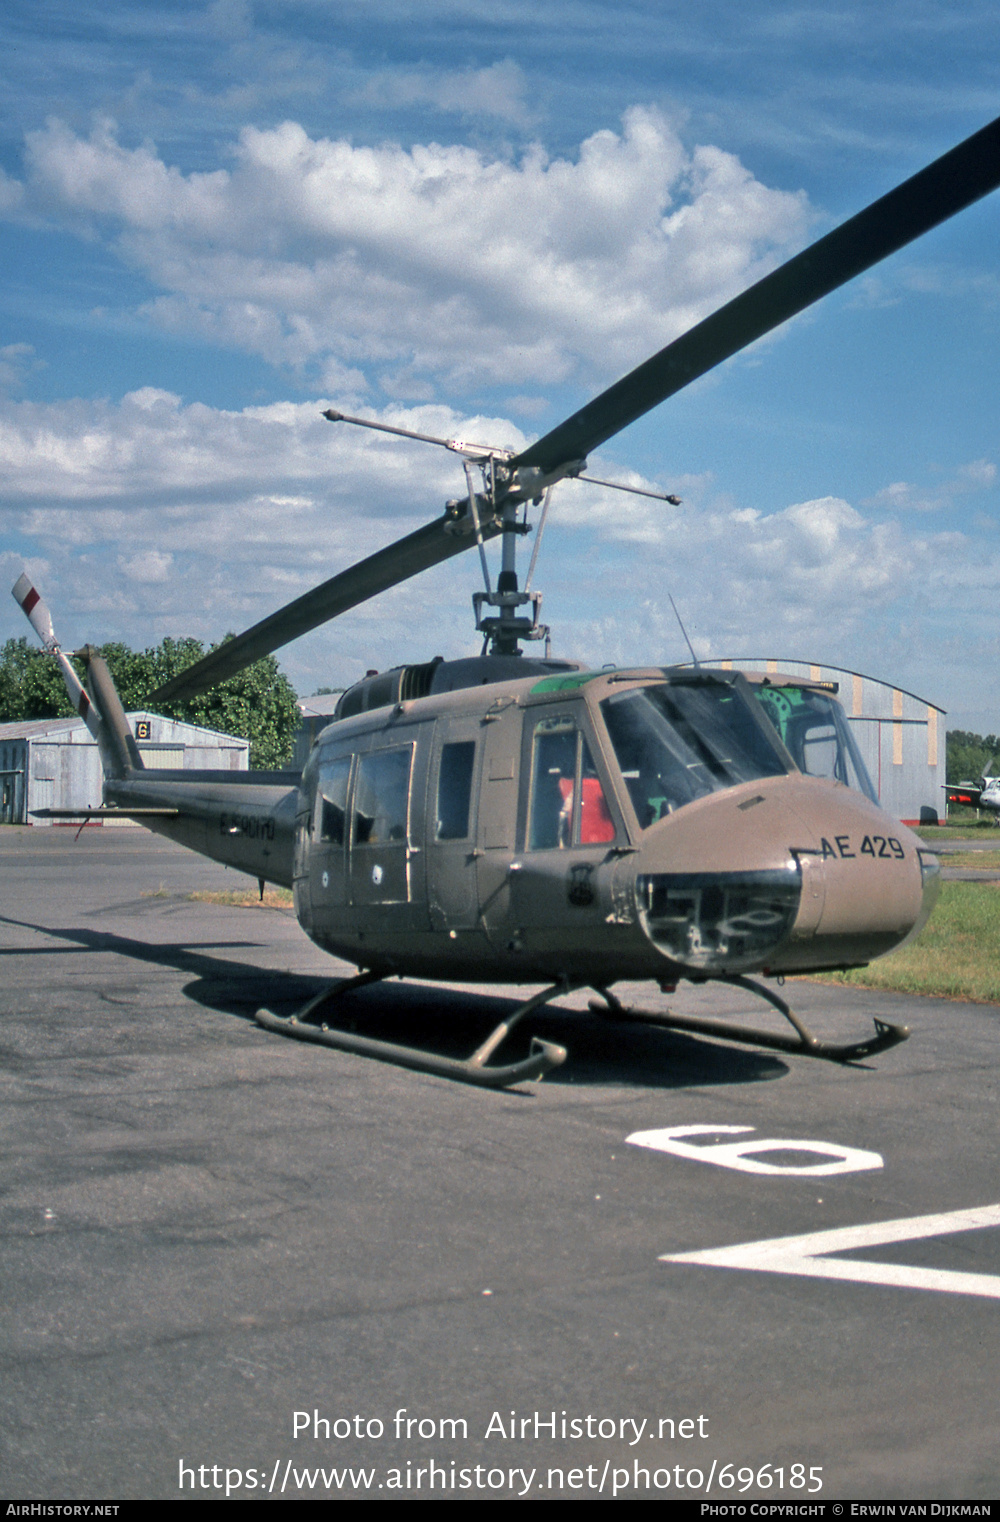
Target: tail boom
{"points": [[245, 820]]}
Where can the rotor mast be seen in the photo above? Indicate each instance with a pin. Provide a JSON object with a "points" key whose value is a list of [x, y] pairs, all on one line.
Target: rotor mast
{"points": [[505, 629]]}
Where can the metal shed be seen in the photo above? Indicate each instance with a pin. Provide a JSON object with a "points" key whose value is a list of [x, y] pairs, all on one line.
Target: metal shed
{"points": [[54, 763], [902, 738]]}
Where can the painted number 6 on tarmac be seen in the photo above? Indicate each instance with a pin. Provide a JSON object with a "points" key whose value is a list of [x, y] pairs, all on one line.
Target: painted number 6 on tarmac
{"points": [[741, 1154]]}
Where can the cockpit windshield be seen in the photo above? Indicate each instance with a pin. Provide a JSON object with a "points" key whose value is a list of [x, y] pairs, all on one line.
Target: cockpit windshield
{"points": [[683, 740], [815, 731]]}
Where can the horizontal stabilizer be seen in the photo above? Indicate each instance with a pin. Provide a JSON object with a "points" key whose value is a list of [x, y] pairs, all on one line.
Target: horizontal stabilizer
{"points": [[110, 813]]}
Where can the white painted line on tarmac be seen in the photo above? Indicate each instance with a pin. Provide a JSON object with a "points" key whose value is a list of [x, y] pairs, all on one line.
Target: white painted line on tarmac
{"points": [[806, 1254], [738, 1154]]}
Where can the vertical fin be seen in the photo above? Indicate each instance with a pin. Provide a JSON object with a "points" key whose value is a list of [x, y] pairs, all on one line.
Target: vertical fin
{"points": [[119, 752]]}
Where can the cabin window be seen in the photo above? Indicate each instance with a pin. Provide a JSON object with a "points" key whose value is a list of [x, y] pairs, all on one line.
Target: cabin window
{"points": [[568, 806], [455, 790], [381, 796], [331, 800]]}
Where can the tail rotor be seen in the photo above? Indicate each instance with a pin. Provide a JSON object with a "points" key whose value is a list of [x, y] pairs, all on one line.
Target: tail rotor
{"points": [[40, 619]]}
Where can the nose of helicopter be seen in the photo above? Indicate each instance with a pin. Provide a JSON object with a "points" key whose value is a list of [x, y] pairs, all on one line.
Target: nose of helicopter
{"points": [[783, 875]]}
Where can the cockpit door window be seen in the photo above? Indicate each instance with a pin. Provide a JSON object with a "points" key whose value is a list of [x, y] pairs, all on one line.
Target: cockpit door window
{"points": [[381, 797], [379, 842], [568, 804]]}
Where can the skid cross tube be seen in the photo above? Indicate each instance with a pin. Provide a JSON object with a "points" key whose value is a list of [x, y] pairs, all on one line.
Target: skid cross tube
{"points": [[543, 1057], [806, 1044]]}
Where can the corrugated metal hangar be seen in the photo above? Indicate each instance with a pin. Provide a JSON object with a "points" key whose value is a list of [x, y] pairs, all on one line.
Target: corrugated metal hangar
{"points": [[54, 764], [902, 738]]}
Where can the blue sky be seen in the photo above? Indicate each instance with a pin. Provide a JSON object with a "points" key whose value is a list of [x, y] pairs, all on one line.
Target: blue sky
{"points": [[218, 219]]}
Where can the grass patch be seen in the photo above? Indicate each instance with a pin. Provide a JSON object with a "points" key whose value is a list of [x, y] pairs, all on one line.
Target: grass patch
{"points": [[956, 955], [958, 829], [247, 898], [983, 861]]}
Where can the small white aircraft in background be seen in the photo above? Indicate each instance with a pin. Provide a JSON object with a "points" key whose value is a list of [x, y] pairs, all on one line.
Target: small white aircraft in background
{"points": [[984, 794]]}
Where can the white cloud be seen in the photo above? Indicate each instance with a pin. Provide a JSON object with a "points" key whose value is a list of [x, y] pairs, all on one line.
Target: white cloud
{"points": [[889, 287], [904, 496], [497, 91], [978, 474], [149, 567], [152, 517], [15, 361], [433, 264], [160, 518], [150, 449]]}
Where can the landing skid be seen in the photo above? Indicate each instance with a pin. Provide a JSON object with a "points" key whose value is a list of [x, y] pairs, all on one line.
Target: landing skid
{"points": [[803, 1044], [544, 1055]]}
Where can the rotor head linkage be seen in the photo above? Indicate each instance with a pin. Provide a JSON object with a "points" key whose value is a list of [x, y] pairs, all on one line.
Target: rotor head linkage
{"points": [[493, 510]]}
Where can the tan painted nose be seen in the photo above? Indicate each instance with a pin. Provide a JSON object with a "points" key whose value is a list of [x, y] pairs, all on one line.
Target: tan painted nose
{"points": [[867, 881], [788, 874]]}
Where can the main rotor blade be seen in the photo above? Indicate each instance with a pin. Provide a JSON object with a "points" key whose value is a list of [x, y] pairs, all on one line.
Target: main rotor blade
{"points": [[945, 187], [426, 547]]}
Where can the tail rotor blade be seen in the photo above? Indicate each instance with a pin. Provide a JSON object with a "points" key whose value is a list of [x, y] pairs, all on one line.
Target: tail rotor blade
{"points": [[40, 620], [35, 611]]}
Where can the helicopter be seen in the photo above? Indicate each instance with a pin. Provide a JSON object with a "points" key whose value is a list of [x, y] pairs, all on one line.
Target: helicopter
{"points": [[512, 818]]}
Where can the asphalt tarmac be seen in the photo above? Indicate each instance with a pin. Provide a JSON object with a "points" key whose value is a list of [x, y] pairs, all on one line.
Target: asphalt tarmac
{"points": [[233, 1261]]}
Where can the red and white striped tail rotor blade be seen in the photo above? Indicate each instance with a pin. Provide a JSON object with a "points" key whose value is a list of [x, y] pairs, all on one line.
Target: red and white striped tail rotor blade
{"points": [[35, 611], [40, 620]]}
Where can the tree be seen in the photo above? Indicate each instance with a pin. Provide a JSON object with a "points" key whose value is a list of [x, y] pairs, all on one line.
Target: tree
{"points": [[258, 705], [969, 755], [31, 685]]}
